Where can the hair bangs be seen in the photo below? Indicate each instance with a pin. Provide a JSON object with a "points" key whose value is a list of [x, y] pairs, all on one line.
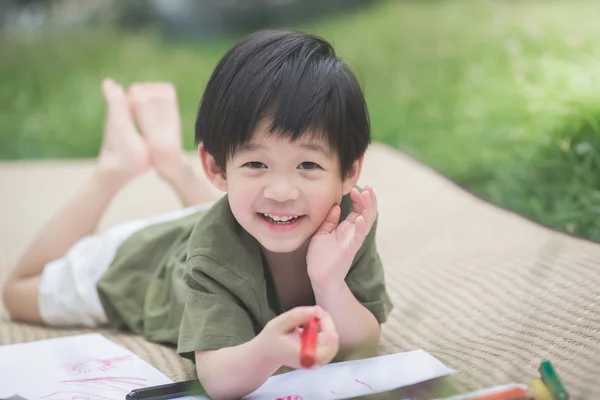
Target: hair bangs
{"points": [[304, 100], [296, 82]]}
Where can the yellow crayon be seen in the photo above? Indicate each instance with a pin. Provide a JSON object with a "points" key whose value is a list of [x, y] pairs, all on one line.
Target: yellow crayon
{"points": [[539, 391]]}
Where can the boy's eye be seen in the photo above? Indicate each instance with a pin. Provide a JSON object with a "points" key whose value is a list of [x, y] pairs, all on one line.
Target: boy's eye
{"points": [[255, 165], [308, 165]]}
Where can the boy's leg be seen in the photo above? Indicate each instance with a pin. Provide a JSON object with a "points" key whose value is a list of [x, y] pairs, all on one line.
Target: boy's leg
{"points": [[123, 156], [156, 112]]}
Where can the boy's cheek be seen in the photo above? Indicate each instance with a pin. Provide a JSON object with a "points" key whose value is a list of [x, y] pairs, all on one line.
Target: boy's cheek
{"points": [[323, 205], [246, 193], [239, 185], [241, 198]]}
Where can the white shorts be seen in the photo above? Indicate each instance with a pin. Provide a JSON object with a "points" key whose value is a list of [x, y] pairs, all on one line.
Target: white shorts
{"points": [[67, 294]]}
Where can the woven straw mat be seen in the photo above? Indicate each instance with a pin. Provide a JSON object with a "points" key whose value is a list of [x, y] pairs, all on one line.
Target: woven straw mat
{"points": [[487, 292]]}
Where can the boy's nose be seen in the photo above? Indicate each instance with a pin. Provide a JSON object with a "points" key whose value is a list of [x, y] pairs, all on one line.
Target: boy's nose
{"points": [[281, 190]]}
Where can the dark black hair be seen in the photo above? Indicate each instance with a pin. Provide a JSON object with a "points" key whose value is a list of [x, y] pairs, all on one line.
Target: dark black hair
{"points": [[293, 78]]}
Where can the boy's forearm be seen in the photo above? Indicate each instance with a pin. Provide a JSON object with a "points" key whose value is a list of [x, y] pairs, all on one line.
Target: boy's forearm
{"points": [[357, 327], [233, 372]]}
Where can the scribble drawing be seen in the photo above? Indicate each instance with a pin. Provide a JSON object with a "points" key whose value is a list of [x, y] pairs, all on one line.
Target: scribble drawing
{"points": [[91, 364], [123, 383], [118, 384], [362, 383], [290, 397], [75, 395]]}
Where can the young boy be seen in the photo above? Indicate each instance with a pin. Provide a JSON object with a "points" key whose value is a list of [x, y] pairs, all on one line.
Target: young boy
{"points": [[282, 129]]}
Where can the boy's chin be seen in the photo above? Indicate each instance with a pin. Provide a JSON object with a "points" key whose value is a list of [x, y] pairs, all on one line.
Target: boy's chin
{"points": [[281, 247]]}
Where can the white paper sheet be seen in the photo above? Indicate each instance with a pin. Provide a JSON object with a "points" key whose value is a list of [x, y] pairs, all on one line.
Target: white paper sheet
{"points": [[80, 367], [92, 367], [353, 378]]}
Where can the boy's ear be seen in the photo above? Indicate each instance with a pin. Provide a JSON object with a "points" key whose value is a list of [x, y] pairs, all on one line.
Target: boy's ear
{"points": [[352, 176], [212, 171]]}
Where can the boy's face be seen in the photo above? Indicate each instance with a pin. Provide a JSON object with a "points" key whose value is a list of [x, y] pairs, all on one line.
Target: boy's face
{"points": [[281, 192]]}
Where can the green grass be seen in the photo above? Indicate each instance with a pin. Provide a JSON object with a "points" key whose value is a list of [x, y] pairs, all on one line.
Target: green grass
{"points": [[501, 96]]}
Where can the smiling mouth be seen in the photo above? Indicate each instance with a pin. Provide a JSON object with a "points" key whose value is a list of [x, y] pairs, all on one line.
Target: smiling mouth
{"points": [[280, 220]]}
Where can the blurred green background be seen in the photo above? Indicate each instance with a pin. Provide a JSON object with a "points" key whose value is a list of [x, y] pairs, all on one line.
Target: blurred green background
{"points": [[503, 97]]}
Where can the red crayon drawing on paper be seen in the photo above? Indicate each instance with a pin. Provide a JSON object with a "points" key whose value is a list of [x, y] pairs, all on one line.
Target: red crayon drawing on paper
{"points": [[74, 395], [95, 364], [290, 397], [362, 383], [118, 383], [113, 382]]}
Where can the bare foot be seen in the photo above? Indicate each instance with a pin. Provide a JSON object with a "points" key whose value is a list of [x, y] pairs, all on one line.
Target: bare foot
{"points": [[157, 114], [123, 154]]}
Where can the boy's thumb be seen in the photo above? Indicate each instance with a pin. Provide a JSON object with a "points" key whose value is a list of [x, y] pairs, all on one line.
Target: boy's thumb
{"points": [[331, 221]]}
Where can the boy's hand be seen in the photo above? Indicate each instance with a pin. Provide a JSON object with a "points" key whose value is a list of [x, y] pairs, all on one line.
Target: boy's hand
{"points": [[281, 336], [333, 247]]}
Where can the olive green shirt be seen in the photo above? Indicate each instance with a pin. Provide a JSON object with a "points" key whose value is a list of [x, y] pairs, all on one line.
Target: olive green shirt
{"points": [[199, 282]]}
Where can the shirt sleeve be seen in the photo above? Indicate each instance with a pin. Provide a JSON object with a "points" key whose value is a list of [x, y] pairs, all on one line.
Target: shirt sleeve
{"points": [[214, 314], [366, 279]]}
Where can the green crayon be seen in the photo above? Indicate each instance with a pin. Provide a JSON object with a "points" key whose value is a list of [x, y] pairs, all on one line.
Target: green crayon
{"points": [[552, 381]]}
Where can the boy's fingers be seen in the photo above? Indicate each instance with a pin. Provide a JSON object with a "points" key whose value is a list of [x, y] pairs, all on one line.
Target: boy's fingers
{"points": [[365, 204], [331, 221], [373, 196], [357, 204], [293, 318], [352, 217], [370, 201], [360, 232], [325, 321], [327, 348], [367, 201]]}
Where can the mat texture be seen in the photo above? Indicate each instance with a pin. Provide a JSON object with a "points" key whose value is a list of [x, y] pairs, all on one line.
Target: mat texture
{"points": [[487, 292]]}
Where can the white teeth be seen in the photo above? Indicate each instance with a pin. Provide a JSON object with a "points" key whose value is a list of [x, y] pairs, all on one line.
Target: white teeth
{"points": [[280, 219]]}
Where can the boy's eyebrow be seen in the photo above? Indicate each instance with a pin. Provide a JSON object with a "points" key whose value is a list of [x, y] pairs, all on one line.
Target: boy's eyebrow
{"points": [[318, 148], [252, 146]]}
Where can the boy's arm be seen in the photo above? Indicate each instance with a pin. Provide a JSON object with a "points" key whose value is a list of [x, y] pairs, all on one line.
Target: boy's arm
{"points": [[330, 257], [236, 371], [357, 327]]}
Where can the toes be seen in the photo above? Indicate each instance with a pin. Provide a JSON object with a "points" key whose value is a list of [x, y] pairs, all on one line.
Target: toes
{"points": [[113, 92], [166, 88], [143, 92], [136, 89], [118, 107], [107, 88]]}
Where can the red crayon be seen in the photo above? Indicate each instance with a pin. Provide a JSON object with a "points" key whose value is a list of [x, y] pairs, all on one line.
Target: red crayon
{"points": [[511, 394], [309, 343]]}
